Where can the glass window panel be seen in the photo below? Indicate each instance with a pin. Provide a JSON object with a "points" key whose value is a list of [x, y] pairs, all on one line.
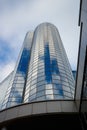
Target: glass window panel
{"points": [[58, 97], [49, 91], [41, 74], [18, 89], [64, 79], [34, 64], [26, 96], [41, 98], [34, 77], [17, 94], [34, 70], [28, 83], [48, 77], [35, 67], [18, 100], [8, 92], [62, 71], [57, 86], [19, 85], [56, 77], [58, 91], [26, 100], [41, 93], [34, 82], [27, 91], [72, 92], [40, 83], [56, 81], [32, 97], [40, 70], [41, 78], [42, 87], [35, 73], [48, 86], [33, 91], [67, 94], [41, 67], [18, 81], [66, 88], [67, 98], [9, 104], [33, 86], [49, 97], [41, 64], [20, 78], [35, 58], [65, 83]]}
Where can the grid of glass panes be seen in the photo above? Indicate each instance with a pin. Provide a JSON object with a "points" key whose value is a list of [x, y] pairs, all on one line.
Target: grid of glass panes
{"points": [[35, 78], [14, 95], [64, 67], [49, 74]]}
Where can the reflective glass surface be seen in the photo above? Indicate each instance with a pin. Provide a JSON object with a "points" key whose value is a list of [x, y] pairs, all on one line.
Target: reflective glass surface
{"points": [[49, 73], [16, 88], [3, 88], [42, 71]]}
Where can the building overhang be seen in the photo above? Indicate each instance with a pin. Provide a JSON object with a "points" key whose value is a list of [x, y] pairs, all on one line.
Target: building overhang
{"points": [[37, 108]]}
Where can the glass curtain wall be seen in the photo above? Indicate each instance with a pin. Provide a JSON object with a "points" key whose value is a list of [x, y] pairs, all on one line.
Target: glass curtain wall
{"points": [[42, 71], [14, 94], [49, 75]]}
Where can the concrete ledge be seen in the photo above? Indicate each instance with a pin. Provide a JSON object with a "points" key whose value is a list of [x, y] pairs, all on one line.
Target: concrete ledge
{"points": [[39, 108], [25, 110], [35, 108]]}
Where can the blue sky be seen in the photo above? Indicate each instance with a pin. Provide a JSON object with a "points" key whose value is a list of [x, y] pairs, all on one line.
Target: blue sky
{"points": [[19, 16]]}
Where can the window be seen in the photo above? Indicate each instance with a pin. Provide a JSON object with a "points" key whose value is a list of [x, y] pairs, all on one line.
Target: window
{"points": [[33, 91], [40, 88], [49, 91], [41, 93]]}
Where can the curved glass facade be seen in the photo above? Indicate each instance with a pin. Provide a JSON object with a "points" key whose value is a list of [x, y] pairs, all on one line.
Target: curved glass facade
{"points": [[3, 87], [49, 73], [42, 71], [15, 91]]}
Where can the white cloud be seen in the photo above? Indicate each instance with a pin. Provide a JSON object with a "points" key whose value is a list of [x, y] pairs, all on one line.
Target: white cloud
{"points": [[26, 17], [5, 70], [23, 15]]}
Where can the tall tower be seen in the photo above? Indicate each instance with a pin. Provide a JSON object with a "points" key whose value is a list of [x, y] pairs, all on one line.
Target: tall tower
{"points": [[49, 73], [42, 71], [15, 91]]}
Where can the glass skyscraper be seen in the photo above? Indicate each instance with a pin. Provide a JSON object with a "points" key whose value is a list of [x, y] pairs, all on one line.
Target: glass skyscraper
{"points": [[42, 71]]}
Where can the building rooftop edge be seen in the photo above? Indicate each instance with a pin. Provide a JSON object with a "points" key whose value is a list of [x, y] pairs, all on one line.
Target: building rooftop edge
{"points": [[80, 8]]}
